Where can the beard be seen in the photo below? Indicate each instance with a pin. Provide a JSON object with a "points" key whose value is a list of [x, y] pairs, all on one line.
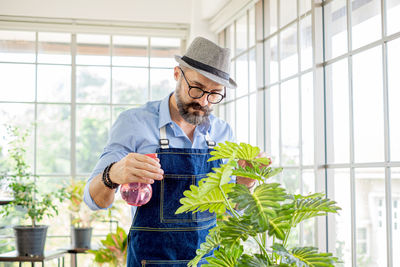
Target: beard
{"points": [[193, 117]]}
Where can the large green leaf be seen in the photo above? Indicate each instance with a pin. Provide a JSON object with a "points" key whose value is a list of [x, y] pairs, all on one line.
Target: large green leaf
{"points": [[260, 174], [262, 205], [208, 195], [280, 225], [306, 207], [213, 240], [256, 260], [229, 149], [233, 230], [305, 256], [225, 256]]}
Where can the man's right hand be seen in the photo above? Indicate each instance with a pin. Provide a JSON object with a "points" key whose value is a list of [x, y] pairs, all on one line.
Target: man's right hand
{"points": [[137, 168]]}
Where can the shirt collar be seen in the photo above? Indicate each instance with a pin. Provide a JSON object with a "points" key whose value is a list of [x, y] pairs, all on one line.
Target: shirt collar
{"points": [[165, 117]]}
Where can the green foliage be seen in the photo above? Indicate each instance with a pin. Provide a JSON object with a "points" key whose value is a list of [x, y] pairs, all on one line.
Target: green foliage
{"points": [[114, 249], [21, 182], [81, 215], [268, 212]]}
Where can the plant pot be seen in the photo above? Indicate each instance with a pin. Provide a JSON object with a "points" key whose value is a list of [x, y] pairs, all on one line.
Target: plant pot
{"points": [[30, 240], [81, 237]]}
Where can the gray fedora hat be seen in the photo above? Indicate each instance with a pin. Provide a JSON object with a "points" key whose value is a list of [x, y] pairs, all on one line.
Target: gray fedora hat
{"points": [[208, 59]]}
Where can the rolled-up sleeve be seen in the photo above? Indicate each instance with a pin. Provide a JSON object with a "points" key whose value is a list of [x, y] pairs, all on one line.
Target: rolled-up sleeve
{"points": [[119, 144]]}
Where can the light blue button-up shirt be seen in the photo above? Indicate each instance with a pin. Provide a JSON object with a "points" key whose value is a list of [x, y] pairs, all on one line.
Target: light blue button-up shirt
{"points": [[137, 130]]}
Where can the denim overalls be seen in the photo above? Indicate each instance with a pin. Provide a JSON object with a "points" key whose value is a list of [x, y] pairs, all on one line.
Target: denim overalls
{"points": [[158, 236]]}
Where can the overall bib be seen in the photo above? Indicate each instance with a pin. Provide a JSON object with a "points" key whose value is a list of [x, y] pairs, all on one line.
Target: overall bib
{"points": [[158, 237]]}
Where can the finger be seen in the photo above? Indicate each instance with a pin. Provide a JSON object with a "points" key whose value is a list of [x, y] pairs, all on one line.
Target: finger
{"points": [[146, 174], [146, 159], [144, 180], [147, 167]]}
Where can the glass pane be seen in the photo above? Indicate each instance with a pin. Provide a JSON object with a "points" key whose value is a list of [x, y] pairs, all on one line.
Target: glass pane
{"points": [[242, 75], [17, 82], [92, 126], [54, 83], [368, 106], [394, 98], [130, 51], [21, 115], [370, 217], [17, 46], [395, 185], [231, 93], [291, 180], [365, 18], [93, 84], [290, 122], [305, 5], [242, 132], [288, 11], [252, 71], [54, 48], [241, 35], [308, 182], [337, 102], [271, 61], [306, 43], [309, 226], [59, 224], [340, 192], [93, 49], [335, 28], [253, 120], [270, 17], [289, 59], [307, 113], [163, 51], [252, 28], [130, 85], [53, 139], [162, 83], [392, 16], [272, 113], [230, 38], [221, 111], [230, 118]]}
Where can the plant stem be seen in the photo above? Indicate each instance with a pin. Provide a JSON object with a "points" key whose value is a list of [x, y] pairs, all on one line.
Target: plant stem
{"points": [[264, 251], [228, 204]]}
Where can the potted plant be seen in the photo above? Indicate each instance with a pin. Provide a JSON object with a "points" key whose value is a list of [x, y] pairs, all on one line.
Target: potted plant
{"points": [[267, 214], [113, 250], [30, 239], [81, 216]]}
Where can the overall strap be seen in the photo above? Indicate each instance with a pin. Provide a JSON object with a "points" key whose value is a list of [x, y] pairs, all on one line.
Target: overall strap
{"points": [[210, 143], [164, 142]]}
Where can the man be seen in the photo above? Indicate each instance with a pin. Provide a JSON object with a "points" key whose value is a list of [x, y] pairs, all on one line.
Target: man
{"points": [[181, 130]]}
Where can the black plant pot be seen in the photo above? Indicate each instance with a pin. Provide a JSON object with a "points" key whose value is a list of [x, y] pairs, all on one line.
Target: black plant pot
{"points": [[81, 237], [30, 240]]}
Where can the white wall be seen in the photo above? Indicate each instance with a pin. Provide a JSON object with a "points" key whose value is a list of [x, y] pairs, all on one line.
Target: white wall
{"points": [[170, 11], [195, 13]]}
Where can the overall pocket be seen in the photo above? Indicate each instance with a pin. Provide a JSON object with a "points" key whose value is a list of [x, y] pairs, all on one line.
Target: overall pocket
{"points": [[172, 188]]}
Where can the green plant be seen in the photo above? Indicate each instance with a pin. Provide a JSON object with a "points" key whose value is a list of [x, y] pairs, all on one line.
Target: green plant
{"points": [[22, 185], [114, 249], [267, 215], [81, 215]]}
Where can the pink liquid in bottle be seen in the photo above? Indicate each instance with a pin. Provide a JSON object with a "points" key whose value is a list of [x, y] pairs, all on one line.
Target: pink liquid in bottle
{"points": [[137, 194]]}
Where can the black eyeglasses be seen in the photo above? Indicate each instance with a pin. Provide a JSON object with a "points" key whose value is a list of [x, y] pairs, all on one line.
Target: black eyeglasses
{"points": [[197, 92]]}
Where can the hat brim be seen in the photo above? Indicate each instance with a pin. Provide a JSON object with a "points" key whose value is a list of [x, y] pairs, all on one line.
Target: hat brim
{"points": [[230, 84]]}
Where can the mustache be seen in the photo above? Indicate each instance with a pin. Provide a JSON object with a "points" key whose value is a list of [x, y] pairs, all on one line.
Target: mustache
{"points": [[197, 106]]}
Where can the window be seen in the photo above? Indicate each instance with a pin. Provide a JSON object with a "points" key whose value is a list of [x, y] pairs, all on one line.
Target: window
{"points": [[329, 113], [74, 86]]}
